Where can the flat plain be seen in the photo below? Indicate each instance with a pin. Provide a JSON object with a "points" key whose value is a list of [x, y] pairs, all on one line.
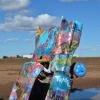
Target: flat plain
{"points": [[10, 67]]}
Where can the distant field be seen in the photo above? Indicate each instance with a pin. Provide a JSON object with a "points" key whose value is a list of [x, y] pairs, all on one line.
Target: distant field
{"points": [[9, 69]]}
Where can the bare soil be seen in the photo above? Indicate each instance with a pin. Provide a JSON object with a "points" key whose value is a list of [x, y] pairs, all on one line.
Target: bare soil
{"points": [[9, 69]]}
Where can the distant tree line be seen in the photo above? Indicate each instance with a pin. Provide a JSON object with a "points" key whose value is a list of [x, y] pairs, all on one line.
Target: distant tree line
{"points": [[17, 56], [4, 57]]}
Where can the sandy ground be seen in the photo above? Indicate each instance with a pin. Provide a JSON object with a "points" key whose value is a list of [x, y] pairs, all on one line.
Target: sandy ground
{"points": [[9, 69]]}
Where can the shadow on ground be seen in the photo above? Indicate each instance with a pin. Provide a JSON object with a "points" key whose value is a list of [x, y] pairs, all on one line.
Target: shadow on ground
{"points": [[40, 89]]}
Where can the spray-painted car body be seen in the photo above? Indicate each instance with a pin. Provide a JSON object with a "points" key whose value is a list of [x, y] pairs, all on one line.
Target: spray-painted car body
{"points": [[57, 45]]}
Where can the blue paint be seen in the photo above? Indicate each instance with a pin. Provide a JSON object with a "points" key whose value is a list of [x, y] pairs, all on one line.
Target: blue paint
{"points": [[60, 82], [80, 70]]}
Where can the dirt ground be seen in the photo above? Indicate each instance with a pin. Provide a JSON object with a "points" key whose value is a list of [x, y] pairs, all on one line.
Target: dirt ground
{"points": [[9, 69]]}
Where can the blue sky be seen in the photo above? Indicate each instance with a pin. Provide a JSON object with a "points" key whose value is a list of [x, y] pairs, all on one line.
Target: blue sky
{"points": [[19, 19]]}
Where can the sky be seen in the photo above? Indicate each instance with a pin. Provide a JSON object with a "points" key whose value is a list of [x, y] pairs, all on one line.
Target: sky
{"points": [[20, 18]]}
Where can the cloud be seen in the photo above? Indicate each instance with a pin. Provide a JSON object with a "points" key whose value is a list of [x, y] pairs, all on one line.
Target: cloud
{"points": [[13, 4], [27, 23], [15, 39], [31, 41], [89, 49], [18, 23], [28, 39], [69, 1], [46, 20], [12, 39], [25, 12]]}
